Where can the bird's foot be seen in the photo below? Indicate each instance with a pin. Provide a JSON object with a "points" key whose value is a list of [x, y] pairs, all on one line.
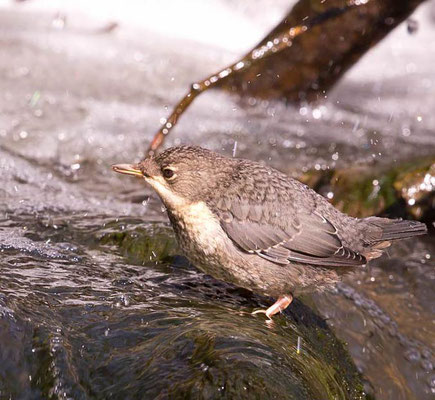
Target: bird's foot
{"points": [[280, 305]]}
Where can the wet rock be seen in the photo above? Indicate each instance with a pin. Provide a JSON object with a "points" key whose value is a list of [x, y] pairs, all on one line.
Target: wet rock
{"points": [[143, 243], [194, 344], [211, 346], [406, 189], [133, 320], [416, 185]]}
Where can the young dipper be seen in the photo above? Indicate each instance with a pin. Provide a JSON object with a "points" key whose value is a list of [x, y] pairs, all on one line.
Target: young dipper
{"points": [[251, 225]]}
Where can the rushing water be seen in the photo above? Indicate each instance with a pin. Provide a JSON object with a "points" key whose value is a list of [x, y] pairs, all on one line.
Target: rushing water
{"points": [[94, 300]]}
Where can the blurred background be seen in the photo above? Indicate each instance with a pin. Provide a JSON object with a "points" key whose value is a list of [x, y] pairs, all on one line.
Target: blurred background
{"points": [[95, 301]]}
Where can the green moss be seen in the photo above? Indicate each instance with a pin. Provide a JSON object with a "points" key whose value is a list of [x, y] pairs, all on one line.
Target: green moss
{"points": [[140, 243], [365, 190]]}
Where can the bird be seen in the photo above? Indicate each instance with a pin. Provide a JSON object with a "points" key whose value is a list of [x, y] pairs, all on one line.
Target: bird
{"points": [[251, 225]]}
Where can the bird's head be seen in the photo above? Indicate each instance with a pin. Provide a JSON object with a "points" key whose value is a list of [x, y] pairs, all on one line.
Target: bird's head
{"points": [[182, 174]]}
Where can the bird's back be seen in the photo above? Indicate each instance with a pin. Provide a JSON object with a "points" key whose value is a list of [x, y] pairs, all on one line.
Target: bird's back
{"points": [[264, 211]]}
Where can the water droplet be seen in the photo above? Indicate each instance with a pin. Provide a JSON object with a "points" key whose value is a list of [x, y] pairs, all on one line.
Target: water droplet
{"points": [[412, 355], [317, 114], [59, 21], [239, 65], [426, 365], [23, 134], [235, 148], [406, 131]]}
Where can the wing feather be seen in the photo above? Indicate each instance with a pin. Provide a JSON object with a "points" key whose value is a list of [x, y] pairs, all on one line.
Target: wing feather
{"points": [[283, 237]]}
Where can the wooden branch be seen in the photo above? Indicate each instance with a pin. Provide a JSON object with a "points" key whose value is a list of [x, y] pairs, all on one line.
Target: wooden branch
{"points": [[304, 55]]}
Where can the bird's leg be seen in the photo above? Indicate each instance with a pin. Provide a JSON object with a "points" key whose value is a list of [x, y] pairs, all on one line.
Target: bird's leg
{"points": [[280, 305]]}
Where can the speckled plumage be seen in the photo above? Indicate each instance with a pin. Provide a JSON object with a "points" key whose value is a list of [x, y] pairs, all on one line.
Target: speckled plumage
{"points": [[248, 224]]}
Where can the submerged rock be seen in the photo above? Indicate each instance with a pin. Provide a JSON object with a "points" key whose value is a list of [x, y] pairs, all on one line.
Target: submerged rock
{"points": [[132, 319], [197, 339], [140, 242]]}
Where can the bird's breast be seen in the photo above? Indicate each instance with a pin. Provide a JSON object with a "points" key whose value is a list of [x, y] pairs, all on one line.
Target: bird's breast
{"points": [[198, 230]]}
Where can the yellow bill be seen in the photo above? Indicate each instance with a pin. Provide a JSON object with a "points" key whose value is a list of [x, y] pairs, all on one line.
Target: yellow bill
{"points": [[128, 169]]}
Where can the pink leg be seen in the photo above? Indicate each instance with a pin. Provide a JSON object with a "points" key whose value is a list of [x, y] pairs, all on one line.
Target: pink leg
{"points": [[280, 305]]}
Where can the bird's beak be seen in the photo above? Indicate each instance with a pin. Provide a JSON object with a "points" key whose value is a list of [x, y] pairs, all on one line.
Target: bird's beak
{"points": [[128, 169]]}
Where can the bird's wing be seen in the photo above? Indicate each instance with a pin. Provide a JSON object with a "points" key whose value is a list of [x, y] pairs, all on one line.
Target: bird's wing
{"points": [[280, 234]]}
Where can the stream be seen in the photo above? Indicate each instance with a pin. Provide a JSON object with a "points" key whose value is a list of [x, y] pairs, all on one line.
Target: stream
{"points": [[95, 299]]}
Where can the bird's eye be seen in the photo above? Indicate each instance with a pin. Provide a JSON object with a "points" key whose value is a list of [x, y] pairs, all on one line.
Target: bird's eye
{"points": [[168, 173]]}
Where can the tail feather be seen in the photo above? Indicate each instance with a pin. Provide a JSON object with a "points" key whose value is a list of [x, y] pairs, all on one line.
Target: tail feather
{"points": [[379, 232], [403, 229], [394, 229]]}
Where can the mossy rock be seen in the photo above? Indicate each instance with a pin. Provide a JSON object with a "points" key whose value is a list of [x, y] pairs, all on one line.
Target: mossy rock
{"points": [[405, 189], [197, 339], [140, 242], [417, 187]]}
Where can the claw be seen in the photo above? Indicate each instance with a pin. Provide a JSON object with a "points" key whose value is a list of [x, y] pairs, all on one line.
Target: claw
{"points": [[280, 305], [262, 312]]}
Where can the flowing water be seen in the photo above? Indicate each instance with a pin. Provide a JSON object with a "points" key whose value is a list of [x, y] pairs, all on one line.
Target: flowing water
{"points": [[95, 301]]}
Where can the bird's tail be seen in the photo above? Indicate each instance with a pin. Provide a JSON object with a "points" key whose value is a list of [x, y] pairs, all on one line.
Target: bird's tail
{"points": [[394, 229], [381, 231]]}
